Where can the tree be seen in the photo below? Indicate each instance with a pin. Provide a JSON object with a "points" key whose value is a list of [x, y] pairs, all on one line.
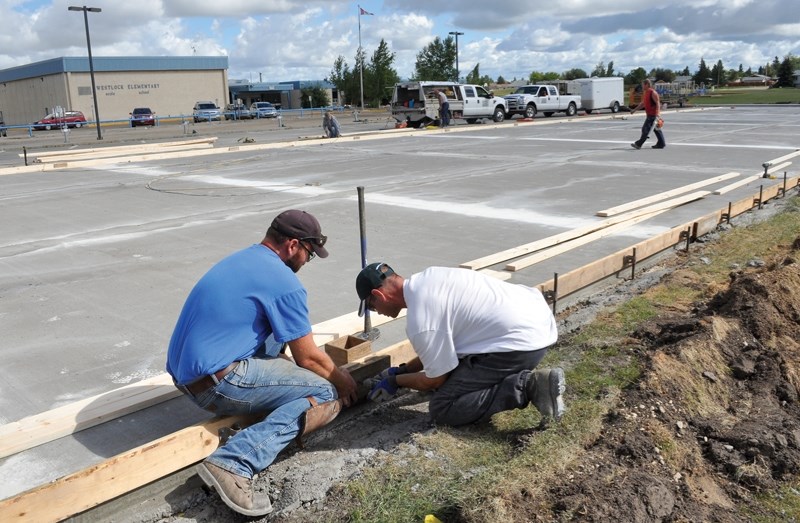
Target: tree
{"points": [[345, 81], [574, 73], [536, 77], [379, 76], [718, 76], [686, 72], [703, 74], [599, 70], [437, 61], [636, 76], [785, 72], [610, 69], [663, 75], [501, 80], [314, 96]]}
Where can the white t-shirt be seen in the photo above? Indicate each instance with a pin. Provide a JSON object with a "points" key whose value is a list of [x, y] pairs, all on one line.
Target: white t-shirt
{"points": [[455, 312]]}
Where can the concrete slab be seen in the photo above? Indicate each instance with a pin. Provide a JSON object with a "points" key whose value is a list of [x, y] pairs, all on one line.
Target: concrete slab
{"points": [[95, 263]]}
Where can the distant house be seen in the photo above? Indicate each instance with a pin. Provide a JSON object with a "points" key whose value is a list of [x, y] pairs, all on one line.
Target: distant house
{"points": [[756, 80], [796, 78]]}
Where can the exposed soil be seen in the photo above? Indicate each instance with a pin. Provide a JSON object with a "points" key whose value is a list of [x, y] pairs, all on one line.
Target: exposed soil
{"points": [[718, 402], [714, 420]]}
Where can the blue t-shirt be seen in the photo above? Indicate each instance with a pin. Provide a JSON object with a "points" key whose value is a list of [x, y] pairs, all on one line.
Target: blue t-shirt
{"points": [[233, 309]]}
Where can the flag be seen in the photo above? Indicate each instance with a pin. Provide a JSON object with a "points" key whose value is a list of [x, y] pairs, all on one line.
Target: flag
{"points": [[365, 12]]}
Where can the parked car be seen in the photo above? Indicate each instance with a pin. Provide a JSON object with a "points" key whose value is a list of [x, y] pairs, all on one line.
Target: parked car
{"points": [[142, 116], [60, 121], [237, 112], [263, 110], [206, 111]]}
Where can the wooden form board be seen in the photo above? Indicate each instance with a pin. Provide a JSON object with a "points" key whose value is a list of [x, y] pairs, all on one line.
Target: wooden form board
{"points": [[82, 490], [72, 157], [612, 264], [667, 194], [126, 149], [521, 250], [80, 415], [778, 167], [568, 246], [737, 184]]}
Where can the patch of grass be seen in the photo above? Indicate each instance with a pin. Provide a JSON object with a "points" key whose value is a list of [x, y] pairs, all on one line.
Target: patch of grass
{"points": [[782, 504], [740, 245], [748, 96]]}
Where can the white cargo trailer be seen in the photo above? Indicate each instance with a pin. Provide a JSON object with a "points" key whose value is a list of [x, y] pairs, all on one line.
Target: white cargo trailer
{"points": [[601, 93]]}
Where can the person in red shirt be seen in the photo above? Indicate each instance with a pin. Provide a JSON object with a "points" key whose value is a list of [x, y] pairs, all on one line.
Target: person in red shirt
{"points": [[652, 108]]}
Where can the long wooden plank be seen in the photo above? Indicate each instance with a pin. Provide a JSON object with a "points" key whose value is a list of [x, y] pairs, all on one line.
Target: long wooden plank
{"points": [[521, 250], [135, 468], [158, 145], [664, 195], [573, 244], [120, 154], [737, 184], [80, 415]]}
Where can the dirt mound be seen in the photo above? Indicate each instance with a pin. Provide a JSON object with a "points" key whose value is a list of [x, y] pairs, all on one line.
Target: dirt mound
{"points": [[715, 417]]}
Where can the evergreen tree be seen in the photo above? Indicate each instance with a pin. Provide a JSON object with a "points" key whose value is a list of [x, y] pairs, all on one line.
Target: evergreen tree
{"points": [[718, 76], [703, 74], [437, 61], [379, 76], [785, 71], [610, 69], [599, 70]]}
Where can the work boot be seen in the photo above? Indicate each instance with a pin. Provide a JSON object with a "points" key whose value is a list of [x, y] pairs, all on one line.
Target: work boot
{"points": [[236, 491], [316, 417], [544, 389]]}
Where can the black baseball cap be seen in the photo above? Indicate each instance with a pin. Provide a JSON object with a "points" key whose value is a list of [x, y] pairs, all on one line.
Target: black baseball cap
{"points": [[371, 277], [302, 226]]}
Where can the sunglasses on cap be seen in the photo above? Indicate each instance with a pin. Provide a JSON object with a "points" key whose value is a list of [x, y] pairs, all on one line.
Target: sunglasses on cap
{"points": [[319, 241]]}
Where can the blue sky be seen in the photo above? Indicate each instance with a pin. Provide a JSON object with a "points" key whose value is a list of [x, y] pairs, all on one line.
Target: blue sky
{"points": [[280, 40]]}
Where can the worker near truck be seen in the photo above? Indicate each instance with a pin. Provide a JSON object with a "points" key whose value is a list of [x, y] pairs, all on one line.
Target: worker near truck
{"points": [[225, 355], [652, 108], [478, 341], [444, 107], [331, 125]]}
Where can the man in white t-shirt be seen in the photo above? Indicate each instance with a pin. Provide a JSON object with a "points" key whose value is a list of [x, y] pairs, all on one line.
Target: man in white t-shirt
{"points": [[477, 339]]}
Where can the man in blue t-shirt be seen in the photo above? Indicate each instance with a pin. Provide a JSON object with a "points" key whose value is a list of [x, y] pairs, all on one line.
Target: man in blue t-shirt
{"points": [[225, 355]]}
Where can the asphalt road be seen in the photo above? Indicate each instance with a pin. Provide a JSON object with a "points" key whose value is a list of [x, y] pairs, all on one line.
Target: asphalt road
{"points": [[95, 262]]}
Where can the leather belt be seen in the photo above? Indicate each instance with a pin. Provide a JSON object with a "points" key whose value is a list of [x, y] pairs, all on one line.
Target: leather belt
{"points": [[201, 385]]}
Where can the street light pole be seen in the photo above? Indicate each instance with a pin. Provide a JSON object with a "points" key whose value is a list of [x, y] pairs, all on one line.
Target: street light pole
{"points": [[86, 11], [456, 34]]}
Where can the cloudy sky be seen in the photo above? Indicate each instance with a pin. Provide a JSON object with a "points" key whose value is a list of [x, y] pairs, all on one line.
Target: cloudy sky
{"points": [[281, 40]]}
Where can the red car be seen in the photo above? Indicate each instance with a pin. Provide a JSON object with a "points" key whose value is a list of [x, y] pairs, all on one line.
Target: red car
{"points": [[143, 116], [60, 121]]}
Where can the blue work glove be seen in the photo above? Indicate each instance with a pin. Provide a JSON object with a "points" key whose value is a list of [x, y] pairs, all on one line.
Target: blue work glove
{"points": [[393, 371], [382, 390]]}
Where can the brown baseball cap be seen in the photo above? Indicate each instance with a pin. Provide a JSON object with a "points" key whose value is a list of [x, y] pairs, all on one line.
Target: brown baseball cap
{"points": [[302, 226]]}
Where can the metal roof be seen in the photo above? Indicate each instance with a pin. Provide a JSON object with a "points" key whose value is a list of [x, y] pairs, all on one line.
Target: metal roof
{"points": [[77, 64]]}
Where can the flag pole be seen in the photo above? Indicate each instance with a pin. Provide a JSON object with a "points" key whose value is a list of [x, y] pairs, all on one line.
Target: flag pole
{"points": [[360, 59]]}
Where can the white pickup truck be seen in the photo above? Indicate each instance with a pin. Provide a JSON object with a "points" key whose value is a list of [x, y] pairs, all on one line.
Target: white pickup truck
{"points": [[416, 104], [531, 99]]}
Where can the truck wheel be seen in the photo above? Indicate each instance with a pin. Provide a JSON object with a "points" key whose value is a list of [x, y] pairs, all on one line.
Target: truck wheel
{"points": [[499, 114], [615, 107], [571, 110], [530, 111]]}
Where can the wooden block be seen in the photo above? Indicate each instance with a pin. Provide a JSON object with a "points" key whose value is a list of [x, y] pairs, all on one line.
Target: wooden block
{"points": [[347, 348]]}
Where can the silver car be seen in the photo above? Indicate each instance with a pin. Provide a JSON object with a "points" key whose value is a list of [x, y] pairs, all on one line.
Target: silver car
{"points": [[263, 110], [206, 111]]}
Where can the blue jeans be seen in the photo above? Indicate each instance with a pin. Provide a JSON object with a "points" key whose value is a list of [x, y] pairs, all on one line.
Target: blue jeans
{"points": [[483, 385], [444, 114], [650, 125], [273, 386]]}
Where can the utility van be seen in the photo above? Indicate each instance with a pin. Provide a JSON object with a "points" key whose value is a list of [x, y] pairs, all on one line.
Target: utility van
{"points": [[416, 104]]}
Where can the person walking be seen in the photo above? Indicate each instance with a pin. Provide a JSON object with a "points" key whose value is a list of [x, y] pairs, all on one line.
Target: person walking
{"points": [[652, 108], [225, 355], [444, 107], [478, 341]]}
